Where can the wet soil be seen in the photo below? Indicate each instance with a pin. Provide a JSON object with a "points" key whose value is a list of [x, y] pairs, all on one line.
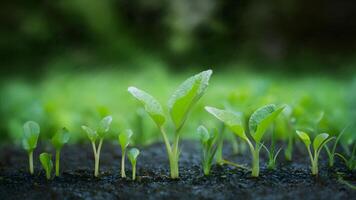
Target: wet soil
{"points": [[291, 180]]}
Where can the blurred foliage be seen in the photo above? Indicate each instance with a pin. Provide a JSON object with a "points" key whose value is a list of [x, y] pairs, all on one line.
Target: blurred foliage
{"points": [[72, 99]]}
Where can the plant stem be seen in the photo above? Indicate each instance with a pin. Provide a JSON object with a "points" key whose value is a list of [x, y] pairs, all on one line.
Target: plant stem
{"points": [[315, 164], [48, 174], [30, 160], [97, 157], [57, 161], [255, 162], [133, 171], [123, 153]]}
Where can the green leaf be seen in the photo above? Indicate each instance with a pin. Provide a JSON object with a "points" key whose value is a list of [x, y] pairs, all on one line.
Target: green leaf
{"points": [[186, 96], [31, 134], [104, 126], [60, 138], [132, 154], [231, 119], [46, 161], [261, 119], [304, 137], [204, 134], [92, 135], [152, 106], [319, 140], [124, 138]]}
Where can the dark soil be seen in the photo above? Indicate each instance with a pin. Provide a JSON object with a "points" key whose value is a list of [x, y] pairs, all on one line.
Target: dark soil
{"points": [[288, 181]]}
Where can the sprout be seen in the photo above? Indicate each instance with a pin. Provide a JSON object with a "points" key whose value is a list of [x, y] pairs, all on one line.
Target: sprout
{"points": [[132, 155], [58, 140], [209, 147], [124, 141], [29, 142], [258, 124], [332, 152], [93, 135], [318, 143], [272, 157], [180, 104], [351, 154], [47, 164]]}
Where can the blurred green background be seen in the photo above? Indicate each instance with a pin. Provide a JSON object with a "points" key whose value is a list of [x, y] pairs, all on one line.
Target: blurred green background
{"points": [[69, 62]]}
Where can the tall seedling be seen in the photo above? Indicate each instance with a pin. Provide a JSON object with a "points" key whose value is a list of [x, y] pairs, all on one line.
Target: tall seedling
{"points": [[58, 140], [179, 105], [259, 121]]}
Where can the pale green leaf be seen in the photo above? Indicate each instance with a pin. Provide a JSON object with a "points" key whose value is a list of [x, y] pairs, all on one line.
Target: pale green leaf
{"points": [[124, 138], [60, 138], [304, 137], [319, 140], [203, 134], [152, 106], [104, 126], [186, 96], [231, 119], [261, 119], [132, 154], [92, 135], [46, 161], [31, 134]]}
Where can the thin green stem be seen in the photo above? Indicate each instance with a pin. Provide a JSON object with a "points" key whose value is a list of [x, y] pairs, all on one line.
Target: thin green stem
{"points": [[255, 152], [57, 161], [30, 160], [166, 141], [133, 171], [97, 157], [123, 174]]}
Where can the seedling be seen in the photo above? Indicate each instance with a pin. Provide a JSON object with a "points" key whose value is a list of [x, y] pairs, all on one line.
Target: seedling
{"points": [[29, 142], [179, 105], [332, 152], [58, 140], [258, 124], [272, 154], [318, 144], [47, 164], [350, 159], [124, 141], [209, 147], [132, 155], [99, 134]]}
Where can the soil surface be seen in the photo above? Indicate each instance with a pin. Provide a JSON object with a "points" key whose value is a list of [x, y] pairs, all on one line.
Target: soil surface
{"points": [[291, 180]]}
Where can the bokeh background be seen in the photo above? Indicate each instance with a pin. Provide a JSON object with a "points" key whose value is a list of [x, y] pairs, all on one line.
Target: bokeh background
{"points": [[69, 62]]}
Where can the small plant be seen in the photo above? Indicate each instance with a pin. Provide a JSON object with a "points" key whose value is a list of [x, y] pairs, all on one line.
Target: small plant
{"points": [[47, 164], [332, 152], [58, 140], [29, 142], [258, 124], [350, 162], [318, 144], [180, 105], [124, 141], [99, 134], [209, 147], [132, 155]]}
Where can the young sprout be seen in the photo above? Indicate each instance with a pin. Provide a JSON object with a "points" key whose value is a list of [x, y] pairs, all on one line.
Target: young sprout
{"points": [[351, 154], [99, 134], [180, 104], [318, 144], [258, 124], [132, 154], [124, 141], [332, 152], [209, 147], [29, 142], [47, 164], [272, 157], [58, 140]]}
